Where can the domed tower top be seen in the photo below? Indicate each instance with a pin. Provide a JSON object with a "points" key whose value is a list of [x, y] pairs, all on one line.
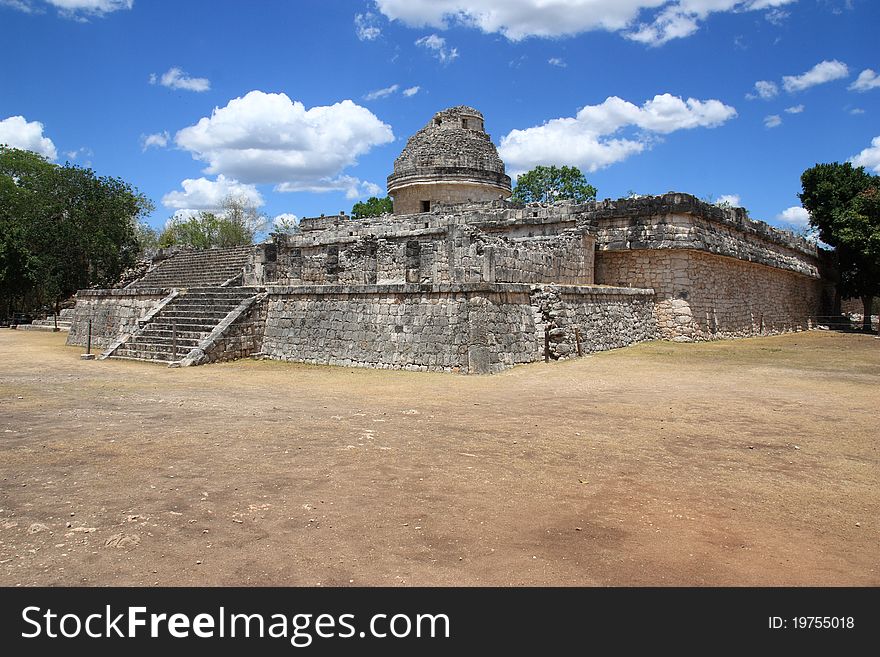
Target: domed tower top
{"points": [[450, 160]]}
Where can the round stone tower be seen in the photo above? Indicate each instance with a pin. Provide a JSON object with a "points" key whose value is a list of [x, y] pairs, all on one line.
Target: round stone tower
{"points": [[450, 160]]}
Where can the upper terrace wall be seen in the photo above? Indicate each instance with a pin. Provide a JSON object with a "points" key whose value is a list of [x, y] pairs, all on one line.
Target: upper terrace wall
{"points": [[670, 221], [427, 248], [679, 221]]}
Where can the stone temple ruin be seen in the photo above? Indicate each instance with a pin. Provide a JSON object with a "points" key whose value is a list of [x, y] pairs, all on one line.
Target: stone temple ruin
{"points": [[459, 279]]}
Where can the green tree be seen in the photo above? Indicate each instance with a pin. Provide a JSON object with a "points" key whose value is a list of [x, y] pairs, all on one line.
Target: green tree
{"points": [[62, 228], [844, 205], [372, 207], [235, 224], [147, 238], [547, 184]]}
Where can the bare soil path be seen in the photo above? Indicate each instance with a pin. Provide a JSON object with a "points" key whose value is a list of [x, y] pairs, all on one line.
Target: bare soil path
{"points": [[749, 462]]}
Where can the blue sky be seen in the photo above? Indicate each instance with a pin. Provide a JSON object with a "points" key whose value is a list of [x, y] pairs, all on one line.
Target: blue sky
{"points": [[302, 105]]}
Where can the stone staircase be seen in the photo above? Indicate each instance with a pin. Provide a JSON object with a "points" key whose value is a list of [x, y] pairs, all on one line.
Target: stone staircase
{"points": [[65, 319], [196, 268], [169, 335]]}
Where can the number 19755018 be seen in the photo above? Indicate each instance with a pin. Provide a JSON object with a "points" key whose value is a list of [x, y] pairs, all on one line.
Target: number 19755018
{"points": [[811, 623]]}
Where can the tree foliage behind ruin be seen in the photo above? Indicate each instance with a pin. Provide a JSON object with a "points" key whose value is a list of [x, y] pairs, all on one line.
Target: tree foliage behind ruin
{"points": [[372, 207], [548, 184], [236, 223], [844, 205], [62, 228]]}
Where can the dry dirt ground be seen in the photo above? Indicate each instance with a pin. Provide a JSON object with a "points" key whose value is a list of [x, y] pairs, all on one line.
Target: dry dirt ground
{"points": [[750, 462]]}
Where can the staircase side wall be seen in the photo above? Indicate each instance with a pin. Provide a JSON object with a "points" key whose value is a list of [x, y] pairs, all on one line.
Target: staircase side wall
{"points": [[243, 338]]}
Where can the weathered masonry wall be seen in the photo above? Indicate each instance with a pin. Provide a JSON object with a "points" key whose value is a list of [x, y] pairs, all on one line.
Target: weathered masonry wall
{"points": [[456, 328], [467, 328], [700, 296], [112, 312], [677, 231], [241, 338], [681, 221], [429, 255], [574, 320]]}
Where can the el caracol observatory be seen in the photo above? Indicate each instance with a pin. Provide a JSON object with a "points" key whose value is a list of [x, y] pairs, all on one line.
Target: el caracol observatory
{"points": [[450, 160]]}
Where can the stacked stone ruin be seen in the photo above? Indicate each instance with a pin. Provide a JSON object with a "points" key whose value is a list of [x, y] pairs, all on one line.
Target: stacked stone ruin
{"points": [[472, 287]]}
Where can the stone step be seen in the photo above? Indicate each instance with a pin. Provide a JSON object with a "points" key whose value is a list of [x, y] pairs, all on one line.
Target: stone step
{"points": [[140, 360], [194, 324], [150, 350], [160, 342], [200, 302], [170, 315], [155, 358], [166, 332], [197, 268]]}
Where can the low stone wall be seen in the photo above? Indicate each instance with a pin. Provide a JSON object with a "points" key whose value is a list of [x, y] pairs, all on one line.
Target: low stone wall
{"points": [[474, 328], [466, 328], [112, 312], [574, 320], [700, 296]]}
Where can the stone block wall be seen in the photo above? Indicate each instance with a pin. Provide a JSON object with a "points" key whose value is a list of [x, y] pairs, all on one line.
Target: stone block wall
{"points": [[242, 338], [112, 312], [433, 255], [466, 328], [454, 328], [574, 320], [679, 231], [566, 259], [701, 296]]}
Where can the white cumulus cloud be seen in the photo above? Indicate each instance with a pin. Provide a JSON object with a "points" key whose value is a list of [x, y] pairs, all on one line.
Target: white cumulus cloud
{"points": [[650, 21], [18, 132], [870, 157], [731, 200], [353, 187], [586, 140], [866, 81], [409, 92], [795, 215], [772, 121], [795, 109], [764, 89], [155, 140], [366, 26], [79, 10], [176, 78], [825, 71], [204, 194], [556, 61], [436, 45], [382, 93], [268, 138]]}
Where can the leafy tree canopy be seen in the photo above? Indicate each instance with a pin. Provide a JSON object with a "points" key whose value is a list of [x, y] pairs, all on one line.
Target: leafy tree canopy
{"points": [[372, 207], [844, 205], [547, 184], [235, 224], [62, 228]]}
